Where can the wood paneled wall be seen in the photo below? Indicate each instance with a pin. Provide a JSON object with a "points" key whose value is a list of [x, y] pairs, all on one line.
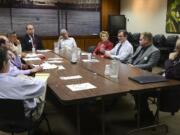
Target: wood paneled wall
{"points": [[82, 41], [108, 7]]}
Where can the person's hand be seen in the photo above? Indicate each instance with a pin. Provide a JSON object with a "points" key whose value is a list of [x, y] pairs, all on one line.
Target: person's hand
{"points": [[24, 66], [107, 54], [131, 65], [17, 42], [173, 55], [102, 50], [36, 69]]}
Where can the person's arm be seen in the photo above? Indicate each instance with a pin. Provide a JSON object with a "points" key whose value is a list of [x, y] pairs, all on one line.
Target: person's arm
{"points": [[152, 61], [96, 49], [74, 42], [109, 46], [124, 53]]}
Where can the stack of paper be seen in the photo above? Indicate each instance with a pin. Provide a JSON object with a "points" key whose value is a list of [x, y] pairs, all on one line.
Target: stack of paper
{"points": [[71, 77], [31, 59], [42, 76], [49, 59], [81, 86], [61, 67], [43, 51], [89, 61], [55, 62]]}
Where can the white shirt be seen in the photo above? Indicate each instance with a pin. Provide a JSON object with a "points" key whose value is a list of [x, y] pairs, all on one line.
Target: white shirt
{"points": [[125, 52], [19, 88], [69, 43]]}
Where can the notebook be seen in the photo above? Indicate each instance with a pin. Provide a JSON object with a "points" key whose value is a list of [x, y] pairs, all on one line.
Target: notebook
{"points": [[148, 79]]}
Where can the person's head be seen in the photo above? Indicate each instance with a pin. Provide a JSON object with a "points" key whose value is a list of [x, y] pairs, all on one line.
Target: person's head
{"points": [[104, 35], [30, 29], [4, 60], [64, 33], [122, 35], [12, 36], [146, 39], [178, 46], [4, 42]]}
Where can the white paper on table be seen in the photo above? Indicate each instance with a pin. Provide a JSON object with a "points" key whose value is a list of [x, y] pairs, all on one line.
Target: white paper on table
{"points": [[43, 51], [61, 67], [48, 66], [92, 60], [71, 77], [81, 86], [42, 76], [33, 55], [84, 53], [31, 59], [55, 62], [55, 59]]}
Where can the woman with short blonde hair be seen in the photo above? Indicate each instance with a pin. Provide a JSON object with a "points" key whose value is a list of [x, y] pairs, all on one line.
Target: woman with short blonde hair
{"points": [[103, 45]]}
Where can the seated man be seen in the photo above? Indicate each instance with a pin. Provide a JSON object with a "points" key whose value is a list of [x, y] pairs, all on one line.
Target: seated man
{"points": [[146, 55], [123, 50], [31, 40], [15, 43], [26, 89], [103, 45], [65, 40]]}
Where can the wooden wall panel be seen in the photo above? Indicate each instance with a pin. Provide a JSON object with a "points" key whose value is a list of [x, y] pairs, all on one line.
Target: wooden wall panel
{"points": [[82, 41], [108, 7]]}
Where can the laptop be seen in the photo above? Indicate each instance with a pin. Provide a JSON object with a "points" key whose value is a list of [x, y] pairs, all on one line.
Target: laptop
{"points": [[148, 79]]}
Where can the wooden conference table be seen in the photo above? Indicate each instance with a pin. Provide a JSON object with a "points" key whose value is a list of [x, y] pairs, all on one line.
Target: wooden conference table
{"points": [[94, 74]]}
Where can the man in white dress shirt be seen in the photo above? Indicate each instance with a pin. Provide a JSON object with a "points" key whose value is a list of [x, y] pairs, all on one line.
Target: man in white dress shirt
{"points": [[20, 88], [65, 40], [123, 50]]}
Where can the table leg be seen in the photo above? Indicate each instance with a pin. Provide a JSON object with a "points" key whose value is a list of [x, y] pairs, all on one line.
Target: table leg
{"points": [[103, 114], [78, 119]]}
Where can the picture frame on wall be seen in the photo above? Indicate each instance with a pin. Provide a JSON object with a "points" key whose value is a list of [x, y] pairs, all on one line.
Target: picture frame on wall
{"points": [[173, 17]]}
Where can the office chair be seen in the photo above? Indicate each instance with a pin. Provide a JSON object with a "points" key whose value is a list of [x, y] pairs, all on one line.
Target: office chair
{"points": [[13, 119], [159, 40], [171, 42], [91, 49], [135, 40]]}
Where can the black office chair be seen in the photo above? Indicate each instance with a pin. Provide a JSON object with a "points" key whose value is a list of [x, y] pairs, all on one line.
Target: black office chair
{"points": [[135, 40], [171, 42], [13, 120], [159, 40], [91, 49]]}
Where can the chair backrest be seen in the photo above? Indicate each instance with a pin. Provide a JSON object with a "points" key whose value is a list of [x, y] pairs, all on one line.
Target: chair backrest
{"points": [[91, 49], [11, 110], [159, 40], [171, 41], [12, 116]]}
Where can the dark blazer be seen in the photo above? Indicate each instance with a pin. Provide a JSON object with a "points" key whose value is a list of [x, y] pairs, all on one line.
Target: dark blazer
{"points": [[27, 44], [147, 60]]}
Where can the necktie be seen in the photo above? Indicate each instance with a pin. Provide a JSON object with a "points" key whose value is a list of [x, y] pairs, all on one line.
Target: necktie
{"points": [[117, 52]]}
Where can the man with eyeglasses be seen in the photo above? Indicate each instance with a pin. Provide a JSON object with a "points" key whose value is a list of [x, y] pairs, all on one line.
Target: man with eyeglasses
{"points": [[31, 40], [123, 50]]}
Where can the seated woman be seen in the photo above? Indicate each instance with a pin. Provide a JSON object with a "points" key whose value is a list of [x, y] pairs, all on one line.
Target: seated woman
{"points": [[26, 89], [172, 65], [103, 45]]}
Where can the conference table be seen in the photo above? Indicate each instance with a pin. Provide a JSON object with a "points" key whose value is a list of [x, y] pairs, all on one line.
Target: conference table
{"points": [[93, 73]]}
